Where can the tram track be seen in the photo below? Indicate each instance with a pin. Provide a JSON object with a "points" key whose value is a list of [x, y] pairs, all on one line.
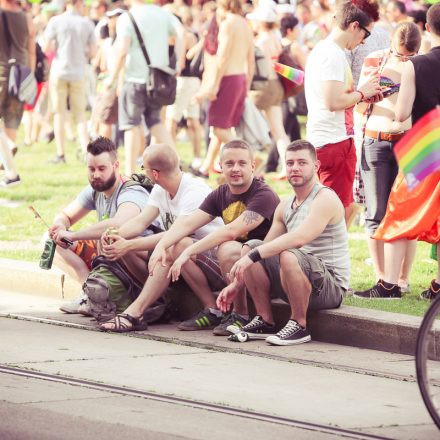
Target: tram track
{"points": [[197, 404]]}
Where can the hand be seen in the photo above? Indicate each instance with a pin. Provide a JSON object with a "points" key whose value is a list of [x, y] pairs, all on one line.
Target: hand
{"points": [[54, 229], [159, 254], [117, 249], [227, 296], [60, 234], [374, 99], [371, 86], [175, 269], [237, 271]]}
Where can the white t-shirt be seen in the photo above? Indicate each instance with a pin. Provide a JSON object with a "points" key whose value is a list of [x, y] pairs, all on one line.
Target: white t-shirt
{"points": [[327, 62], [189, 197]]}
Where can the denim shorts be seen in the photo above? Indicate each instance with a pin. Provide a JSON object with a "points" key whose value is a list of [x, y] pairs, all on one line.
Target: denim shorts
{"points": [[378, 170], [132, 104]]}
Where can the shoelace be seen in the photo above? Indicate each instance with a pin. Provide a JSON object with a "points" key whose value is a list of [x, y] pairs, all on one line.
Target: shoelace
{"points": [[290, 328], [257, 321]]}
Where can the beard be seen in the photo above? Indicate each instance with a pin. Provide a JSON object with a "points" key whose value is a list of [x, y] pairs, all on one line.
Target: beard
{"points": [[100, 186], [304, 182]]}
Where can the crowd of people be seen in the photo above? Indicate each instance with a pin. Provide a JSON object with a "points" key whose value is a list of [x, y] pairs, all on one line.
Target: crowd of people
{"points": [[370, 74]]}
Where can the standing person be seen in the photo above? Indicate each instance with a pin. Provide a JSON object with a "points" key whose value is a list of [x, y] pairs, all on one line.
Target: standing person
{"points": [[72, 35], [22, 49], [396, 12], [304, 258], [330, 97], [232, 78], [156, 26], [413, 215]]}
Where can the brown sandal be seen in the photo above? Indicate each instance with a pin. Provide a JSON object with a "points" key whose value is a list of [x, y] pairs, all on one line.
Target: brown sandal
{"points": [[137, 324]]}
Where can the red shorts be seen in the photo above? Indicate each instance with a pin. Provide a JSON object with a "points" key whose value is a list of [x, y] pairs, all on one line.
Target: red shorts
{"points": [[87, 250], [227, 109], [337, 167]]}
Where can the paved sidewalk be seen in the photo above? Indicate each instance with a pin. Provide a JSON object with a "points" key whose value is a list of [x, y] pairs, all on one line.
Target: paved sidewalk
{"points": [[353, 326]]}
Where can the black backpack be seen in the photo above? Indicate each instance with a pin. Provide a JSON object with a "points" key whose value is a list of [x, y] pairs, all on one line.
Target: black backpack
{"points": [[41, 65]]}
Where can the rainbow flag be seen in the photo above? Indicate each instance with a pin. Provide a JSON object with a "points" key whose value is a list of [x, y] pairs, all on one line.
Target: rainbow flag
{"points": [[418, 152], [295, 75]]}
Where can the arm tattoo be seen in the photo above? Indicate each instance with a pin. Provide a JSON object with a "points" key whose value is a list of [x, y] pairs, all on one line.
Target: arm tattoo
{"points": [[250, 217]]}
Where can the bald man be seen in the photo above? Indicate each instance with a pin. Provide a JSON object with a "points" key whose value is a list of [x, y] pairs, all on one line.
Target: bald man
{"points": [[175, 196]]}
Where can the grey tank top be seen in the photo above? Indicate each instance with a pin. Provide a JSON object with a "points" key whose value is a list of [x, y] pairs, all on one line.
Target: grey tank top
{"points": [[331, 246]]}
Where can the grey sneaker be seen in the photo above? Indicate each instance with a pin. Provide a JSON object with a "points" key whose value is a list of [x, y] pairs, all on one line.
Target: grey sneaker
{"points": [[258, 328], [75, 305], [231, 320], [291, 334]]}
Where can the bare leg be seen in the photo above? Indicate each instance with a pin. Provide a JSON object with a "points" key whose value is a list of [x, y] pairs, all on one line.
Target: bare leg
{"points": [[59, 131], [258, 286], [228, 253], [408, 259], [6, 157], [132, 142], [194, 129], [137, 265], [394, 253], [83, 135], [350, 212], [72, 264], [376, 251], [162, 135], [171, 125], [105, 130], [27, 123], [274, 117], [194, 276], [221, 135], [296, 285]]}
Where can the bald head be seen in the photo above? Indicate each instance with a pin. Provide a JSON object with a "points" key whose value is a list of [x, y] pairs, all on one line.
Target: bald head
{"points": [[161, 157]]}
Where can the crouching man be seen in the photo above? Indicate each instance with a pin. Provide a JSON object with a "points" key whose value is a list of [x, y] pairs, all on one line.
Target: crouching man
{"points": [[304, 258], [114, 204]]}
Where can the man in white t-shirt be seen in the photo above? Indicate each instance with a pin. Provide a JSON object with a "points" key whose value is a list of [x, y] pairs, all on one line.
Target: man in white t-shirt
{"points": [[175, 196], [330, 97]]}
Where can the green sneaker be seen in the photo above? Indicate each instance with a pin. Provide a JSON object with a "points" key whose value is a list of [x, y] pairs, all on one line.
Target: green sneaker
{"points": [[233, 319], [204, 320]]}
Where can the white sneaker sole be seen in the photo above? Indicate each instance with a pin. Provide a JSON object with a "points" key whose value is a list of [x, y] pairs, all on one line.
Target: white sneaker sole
{"points": [[275, 340]]}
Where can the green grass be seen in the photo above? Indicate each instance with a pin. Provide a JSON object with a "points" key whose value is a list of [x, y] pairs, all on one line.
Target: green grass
{"points": [[49, 188]]}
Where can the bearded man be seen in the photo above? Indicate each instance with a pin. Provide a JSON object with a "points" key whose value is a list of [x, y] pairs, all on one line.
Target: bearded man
{"points": [[114, 204]]}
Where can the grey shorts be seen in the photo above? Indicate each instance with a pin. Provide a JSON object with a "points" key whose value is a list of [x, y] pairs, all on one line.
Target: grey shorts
{"points": [[132, 104], [326, 293]]}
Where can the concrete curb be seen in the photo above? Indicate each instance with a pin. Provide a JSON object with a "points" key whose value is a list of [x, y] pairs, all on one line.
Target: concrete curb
{"points": [[353, 326]]}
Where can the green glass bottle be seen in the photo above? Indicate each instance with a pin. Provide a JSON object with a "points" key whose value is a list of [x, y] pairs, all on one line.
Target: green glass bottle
{"points": [[46, 258]]}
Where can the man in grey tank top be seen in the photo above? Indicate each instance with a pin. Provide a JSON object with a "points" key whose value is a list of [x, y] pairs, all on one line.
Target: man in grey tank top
{"points": [[304, 258]]}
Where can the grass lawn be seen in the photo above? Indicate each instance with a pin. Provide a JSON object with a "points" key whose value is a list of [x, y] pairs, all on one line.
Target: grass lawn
{"points": [[50, 187]]}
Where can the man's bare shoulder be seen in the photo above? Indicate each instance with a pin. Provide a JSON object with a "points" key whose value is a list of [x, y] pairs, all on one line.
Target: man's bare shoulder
{"points": [[327, 200]]}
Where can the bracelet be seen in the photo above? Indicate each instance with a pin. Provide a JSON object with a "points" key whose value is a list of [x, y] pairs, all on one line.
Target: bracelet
{"points": [[362, 95], [254, 255]]}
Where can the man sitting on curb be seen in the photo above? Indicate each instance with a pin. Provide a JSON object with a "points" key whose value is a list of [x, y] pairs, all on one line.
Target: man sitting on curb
{"points": [[114, 205], [174, 197], [246, 206], [304, 258]]}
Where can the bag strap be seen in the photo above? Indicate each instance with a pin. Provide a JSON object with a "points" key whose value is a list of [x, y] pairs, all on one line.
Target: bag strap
{"points": [[7, 33], [140, 39]]}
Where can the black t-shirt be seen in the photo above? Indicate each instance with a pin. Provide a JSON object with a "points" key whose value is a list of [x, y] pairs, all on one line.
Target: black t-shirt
{"points": [[259, 198]]}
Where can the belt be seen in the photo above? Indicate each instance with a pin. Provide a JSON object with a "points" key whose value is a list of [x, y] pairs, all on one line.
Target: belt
{"points": [[384, 136]]}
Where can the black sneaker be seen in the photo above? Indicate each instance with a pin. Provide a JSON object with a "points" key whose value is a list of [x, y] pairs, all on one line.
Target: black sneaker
{"points": [[7, 183], [291, 334], [258, 328], [204, 320], [432, 292], [381, 290], [231, 320]]}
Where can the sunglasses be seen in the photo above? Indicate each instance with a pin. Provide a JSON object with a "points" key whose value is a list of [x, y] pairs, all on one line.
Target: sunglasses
{"points": [[367, 32]]}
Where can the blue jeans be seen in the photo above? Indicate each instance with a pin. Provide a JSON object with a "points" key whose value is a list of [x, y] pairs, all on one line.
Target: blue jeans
{"points": [[378, 170]]}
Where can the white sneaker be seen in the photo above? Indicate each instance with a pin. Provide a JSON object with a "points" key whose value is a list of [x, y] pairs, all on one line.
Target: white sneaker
{"points": [[75, 305]]}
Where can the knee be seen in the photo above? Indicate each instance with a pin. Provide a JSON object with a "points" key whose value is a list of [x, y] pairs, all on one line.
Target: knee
{"points": [[289, 263], [229, 251], [179, 247]]}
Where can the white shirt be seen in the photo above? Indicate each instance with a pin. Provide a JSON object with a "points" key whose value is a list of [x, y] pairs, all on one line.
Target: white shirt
{"points": [[327, 62], [189, 197]]}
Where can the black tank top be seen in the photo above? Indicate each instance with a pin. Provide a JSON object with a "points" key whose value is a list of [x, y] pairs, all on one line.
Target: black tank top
{"points": [[427, 70]]}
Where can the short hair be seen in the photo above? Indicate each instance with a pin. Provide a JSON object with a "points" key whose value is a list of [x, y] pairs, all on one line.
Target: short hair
{"points": [[363, 11], [233, 6], [419, 16], [102, 145], [287, 22], [301, 144], [238, 143], [433, 18], [399, 5], [162, 157], [408, 35]]}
